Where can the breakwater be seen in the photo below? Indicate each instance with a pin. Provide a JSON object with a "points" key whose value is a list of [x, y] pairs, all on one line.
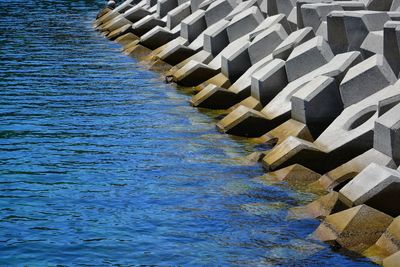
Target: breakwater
{"points": [[317, 80]]}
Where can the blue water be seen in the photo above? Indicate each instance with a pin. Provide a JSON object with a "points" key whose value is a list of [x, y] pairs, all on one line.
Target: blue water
{"points": [[101, 163]]}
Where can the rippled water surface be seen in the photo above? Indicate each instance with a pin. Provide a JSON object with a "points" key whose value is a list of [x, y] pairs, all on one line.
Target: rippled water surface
{"points": [[102, 163]]}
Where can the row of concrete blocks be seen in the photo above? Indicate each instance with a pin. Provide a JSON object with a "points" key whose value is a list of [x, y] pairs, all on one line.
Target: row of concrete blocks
{"points": [[317, 79]]}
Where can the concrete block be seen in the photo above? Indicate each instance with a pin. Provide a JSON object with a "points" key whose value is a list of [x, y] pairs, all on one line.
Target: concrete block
{"points": [[216, 38], [265, 42], [278, 110], [317, 104], [146, 24], [372, 44], [379, 5], [347, 30], [365, 79], [218, 10], [295, 175], [158, 36], [165, 6], [340, 176], [314, 14], [308, 57], [193, 25], [355, 229], [285, 6], [388, 244], [375, 186], [240, 8], [268, 81], [391, 48], [348, 136], [395, 5], [387, 134], [175, 16], [244, 22], [235, 61], [285, 130], [392, 261], [320, 208], [294, 39]]}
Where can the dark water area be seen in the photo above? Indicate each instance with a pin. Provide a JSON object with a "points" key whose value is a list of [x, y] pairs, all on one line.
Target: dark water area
{"points": [[102, 164]]}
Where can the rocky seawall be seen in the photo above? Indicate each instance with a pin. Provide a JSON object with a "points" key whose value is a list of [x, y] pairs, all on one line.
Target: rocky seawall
{"points": [[317, 80]]}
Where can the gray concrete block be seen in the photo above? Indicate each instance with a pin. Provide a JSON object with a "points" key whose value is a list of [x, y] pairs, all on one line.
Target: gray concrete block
{"points": [[317, 104], [348, 136], [236, 61], [391, 48], [285, 6], [294, 39], [216, 38], [146, 24], [314, 14], [378, 5], [365, 79], [240, 8], [175, 16], [347, 30], [218, 10], [372, 44], [165, 6], [377, 187], [307, 57], [387, 134], [268, 81], [395, 5], [193, 25], [266, 42], [244, 22]]}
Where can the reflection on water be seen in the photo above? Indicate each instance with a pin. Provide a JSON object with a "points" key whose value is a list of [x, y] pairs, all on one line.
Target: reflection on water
{"points": [[103, 164]]}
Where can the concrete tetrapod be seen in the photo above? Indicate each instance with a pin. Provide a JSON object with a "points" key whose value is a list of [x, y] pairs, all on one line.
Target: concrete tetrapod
{"points": [[215, 97], [391, 48], [349, 135], [355, 229], [246, 122], [194, 73], [347, 30], [388, 244], [365, 79], [377, 187]]}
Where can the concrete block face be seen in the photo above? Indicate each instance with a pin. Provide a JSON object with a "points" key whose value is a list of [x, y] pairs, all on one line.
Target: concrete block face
{"points": [[365, 79], [244, 23], [240, 8], [378, 5], [391, 48], [193, 25], [266, 42], [355, 229], [360, 23], [294, 39], [237, 61], [347, 30], [268, 81], [194, 4], [375, 186], [217, 11], [372, 44], [307, 57], [314, 14], [387, 134], [164, 6], [175, 16], [317, 104], [216, 38], [285, 6], [395, 5]]}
